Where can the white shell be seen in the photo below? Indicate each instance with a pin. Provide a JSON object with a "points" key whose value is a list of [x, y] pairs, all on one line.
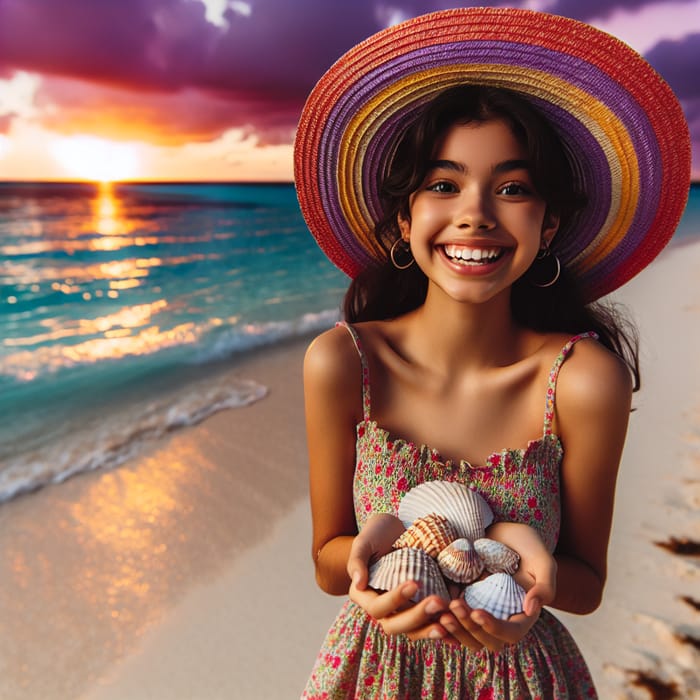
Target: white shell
{"points": [[497, 556], [498, 594], [464, 508], [460, 562], [408, 564], [431, 533]]}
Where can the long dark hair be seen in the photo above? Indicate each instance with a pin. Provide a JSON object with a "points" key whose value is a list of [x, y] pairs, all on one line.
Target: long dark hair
{"points": [[381, 291]]}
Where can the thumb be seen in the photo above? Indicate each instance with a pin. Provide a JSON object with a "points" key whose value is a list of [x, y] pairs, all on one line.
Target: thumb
{"points": [[357, 570]]}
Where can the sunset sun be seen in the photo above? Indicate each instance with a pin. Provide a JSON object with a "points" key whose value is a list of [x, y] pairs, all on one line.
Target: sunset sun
{"points": [[90, 158]]}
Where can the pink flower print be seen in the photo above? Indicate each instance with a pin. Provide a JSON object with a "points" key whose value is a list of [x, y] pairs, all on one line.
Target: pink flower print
{"points": [[390, 445], [402, 484], [486, 694], [532, 502], [377, 468], [380, 491], [361, 431], [538, 514], [335, 661], [389, 469], [369, 681], [494, 460]]}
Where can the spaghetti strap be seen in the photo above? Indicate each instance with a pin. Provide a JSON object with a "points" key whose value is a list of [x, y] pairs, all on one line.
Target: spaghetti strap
{"points": [[553, 374], [365, 368]]}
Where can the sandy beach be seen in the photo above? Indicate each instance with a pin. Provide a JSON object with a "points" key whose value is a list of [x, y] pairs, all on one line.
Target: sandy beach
{"points": [[186, 573]]}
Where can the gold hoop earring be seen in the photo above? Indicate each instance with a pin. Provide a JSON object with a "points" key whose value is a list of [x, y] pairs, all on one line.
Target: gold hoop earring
{"points": [[405, 251], [543, 254]]}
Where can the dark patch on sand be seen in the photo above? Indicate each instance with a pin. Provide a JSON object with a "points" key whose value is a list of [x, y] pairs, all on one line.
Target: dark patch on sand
{"points": [[657, 689], [693, 602], [681, 545]]}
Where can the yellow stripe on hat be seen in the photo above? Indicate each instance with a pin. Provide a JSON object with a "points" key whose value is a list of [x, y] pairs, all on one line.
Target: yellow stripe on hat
{"points": [[600, 121]]}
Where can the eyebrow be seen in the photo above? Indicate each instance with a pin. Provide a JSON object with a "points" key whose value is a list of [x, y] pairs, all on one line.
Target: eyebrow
{"points": [[498, 169]]}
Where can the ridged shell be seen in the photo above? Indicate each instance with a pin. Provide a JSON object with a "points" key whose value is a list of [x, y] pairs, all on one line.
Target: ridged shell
{"points": [[498, 594], [466, 510], [431, 533], [408, 564], [460, 562], [497, 556]]}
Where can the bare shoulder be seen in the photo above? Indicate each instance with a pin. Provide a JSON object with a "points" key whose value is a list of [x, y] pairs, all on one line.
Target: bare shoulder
{"points": [[593, 381], [331, 356], [333, 371]]}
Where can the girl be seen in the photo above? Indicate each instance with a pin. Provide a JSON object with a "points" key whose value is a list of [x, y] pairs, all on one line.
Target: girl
{"points": [[457, 169]]}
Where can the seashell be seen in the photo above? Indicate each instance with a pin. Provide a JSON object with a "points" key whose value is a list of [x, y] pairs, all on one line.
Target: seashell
{"points": [[498, 594], [431, 533], [466, 510], [497, 556], [408, 564], [460, 562]]}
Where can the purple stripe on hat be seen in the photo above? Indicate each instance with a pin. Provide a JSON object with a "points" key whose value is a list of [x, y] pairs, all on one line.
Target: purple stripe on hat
{"points": [[567, 67]]}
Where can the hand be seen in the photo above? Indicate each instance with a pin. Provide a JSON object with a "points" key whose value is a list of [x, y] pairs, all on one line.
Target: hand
{"points": [[477, 629], [537, 572], [397, 614], [393, 610]]}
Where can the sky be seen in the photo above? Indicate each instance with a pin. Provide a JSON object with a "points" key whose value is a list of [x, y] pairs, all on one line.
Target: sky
{"points": [[212, 89]]}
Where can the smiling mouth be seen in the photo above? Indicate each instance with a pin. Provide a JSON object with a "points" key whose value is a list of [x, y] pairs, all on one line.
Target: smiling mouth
{"points": [[462, 255]]}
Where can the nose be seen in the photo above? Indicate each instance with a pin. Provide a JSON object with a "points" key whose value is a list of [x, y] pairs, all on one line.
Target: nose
{"points": [[472, 210]]}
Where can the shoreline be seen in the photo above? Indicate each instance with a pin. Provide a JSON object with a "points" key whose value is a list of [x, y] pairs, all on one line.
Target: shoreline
{"points": [[186, 573]]}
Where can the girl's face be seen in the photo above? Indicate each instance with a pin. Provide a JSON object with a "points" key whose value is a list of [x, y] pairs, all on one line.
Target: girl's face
{"points": [[476, 221]]}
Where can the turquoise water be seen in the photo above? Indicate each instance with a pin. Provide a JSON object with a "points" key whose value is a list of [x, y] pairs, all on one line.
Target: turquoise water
{"points": [[120, 302], [122, 307]]}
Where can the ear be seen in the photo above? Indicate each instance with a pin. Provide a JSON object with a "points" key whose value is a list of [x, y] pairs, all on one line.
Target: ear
{"points": [[404, 226], [550, 226]]}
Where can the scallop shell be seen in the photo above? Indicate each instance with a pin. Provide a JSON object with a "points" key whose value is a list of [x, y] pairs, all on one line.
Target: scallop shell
{"points": [[460, 562], [431, 533], [466, 510], [408, 564], [498, 594], [497, 556]]}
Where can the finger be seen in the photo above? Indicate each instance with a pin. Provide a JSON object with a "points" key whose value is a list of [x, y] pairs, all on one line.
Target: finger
{"points": [[532, 605], [358, 561], [432, 631], [380, 605], [509, 631], [416, 617], [358, 572], [477, 628]]}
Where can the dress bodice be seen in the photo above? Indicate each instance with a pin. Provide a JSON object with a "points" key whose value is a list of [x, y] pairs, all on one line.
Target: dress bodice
{"points": [[520, 485]]}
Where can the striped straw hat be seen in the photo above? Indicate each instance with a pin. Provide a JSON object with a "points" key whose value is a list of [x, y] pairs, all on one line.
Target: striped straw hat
{"points": [[620, 121]]}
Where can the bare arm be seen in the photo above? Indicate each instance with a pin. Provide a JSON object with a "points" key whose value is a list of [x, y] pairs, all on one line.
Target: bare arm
{"points": [[333, 407], [593, 405]]}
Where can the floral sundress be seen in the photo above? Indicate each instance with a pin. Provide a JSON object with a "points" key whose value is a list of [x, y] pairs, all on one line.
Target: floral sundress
{"points": [[358, 660]]}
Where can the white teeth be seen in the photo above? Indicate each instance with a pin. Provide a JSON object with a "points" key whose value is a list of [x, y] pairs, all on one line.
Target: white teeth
{"points": [[471, 254]]}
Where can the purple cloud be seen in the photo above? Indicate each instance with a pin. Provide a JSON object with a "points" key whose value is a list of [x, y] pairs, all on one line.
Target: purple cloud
{"points": [[675, 61], [257, 70], [597, 9]]}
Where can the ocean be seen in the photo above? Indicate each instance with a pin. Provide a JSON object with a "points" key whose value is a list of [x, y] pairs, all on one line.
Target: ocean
{"points": [[122, 307]]}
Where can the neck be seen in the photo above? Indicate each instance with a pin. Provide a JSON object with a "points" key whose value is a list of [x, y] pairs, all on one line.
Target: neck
{"points": [[462, 333]]}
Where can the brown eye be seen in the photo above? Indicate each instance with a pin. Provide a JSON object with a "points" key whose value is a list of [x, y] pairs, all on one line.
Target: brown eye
{"points": [[514, 189], [442, 187]]}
